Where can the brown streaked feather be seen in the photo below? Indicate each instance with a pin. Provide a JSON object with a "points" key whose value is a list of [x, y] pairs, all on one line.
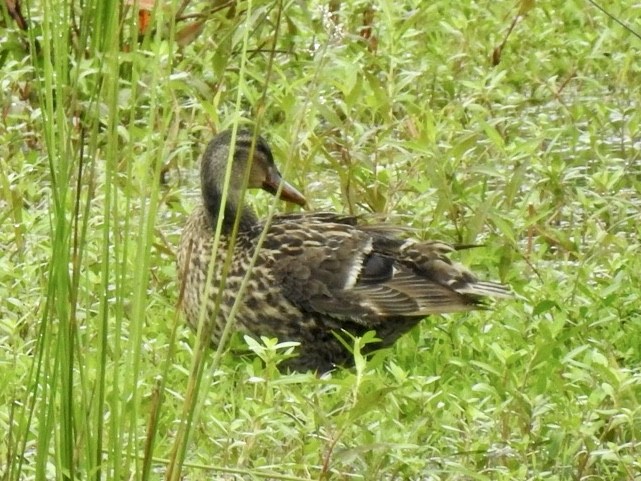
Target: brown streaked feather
{"points": [[344, 271]]}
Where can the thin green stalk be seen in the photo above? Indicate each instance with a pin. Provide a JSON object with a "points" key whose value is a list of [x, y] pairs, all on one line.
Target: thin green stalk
{"points": [[145, 239], [56, 134], [203, 339]]}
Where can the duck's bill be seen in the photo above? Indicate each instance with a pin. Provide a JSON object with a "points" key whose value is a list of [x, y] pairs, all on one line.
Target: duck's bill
{"points": [[287, 192]]}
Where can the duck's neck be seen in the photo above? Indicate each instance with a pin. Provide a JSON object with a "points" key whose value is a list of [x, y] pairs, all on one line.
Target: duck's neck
{"points": [[213, 199]]}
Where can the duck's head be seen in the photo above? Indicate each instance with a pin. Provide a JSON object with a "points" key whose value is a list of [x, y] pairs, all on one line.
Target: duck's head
{"points": [[263, 173]]}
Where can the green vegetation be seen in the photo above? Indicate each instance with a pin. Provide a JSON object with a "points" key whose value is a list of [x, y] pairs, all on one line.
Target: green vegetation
{"points": [[537, 157]]}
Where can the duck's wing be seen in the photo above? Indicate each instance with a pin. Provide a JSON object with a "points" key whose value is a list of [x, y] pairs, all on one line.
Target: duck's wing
{"points": [[422, 273], [365, 276]]}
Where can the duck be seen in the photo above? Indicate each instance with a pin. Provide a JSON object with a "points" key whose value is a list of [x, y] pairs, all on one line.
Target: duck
{"points": [[318, 279]]}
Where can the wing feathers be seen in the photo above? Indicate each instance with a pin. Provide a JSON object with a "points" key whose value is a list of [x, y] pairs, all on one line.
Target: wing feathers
{"points": [[410, 295], [367, 275]]}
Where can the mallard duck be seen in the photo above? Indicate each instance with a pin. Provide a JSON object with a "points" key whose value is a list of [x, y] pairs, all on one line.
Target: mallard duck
{"points": [[316, 275]]}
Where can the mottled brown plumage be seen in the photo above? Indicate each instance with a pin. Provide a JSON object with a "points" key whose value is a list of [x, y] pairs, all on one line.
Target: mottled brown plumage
{"points": [[316, 274]]}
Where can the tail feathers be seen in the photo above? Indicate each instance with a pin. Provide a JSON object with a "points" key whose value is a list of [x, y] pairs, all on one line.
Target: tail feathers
{"points": [[485, 289], [430, 260]]}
